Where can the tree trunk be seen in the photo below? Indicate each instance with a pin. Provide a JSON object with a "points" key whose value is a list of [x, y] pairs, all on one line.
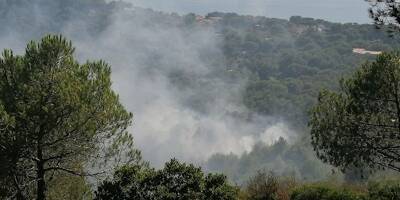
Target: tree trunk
{"points": [[41, 184], [19, 195]]}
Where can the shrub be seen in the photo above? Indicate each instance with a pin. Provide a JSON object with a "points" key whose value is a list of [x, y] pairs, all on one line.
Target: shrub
{"points": [[319, 192], [263, 186], [266, 186], [388, 190], [176, 181]]}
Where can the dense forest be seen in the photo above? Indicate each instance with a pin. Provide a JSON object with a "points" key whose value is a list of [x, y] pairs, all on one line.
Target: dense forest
{"points": [[289, 62], [249, 78], [286, 62]]}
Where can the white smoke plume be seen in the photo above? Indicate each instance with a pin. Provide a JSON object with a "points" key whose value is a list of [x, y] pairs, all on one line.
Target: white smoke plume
{"points": [[164, 125], [147, 54]]}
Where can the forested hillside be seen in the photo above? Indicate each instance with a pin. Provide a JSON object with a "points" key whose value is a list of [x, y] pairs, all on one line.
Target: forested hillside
{"points": [[269, 70], [289, 61], [285, 62]]}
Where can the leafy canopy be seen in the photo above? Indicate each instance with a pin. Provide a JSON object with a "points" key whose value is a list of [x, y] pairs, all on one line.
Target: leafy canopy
{"points": [[385, 12], [55, 114], [175, 181], [360, 125]]}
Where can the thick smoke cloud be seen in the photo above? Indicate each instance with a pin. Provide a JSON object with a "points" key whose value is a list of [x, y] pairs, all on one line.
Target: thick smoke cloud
{"points": [[332, 10], [190, 122], [173, 79]]}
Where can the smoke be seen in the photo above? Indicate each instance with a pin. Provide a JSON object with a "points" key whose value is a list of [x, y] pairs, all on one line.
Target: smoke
{"points": [[186, 103], [175, 82]]}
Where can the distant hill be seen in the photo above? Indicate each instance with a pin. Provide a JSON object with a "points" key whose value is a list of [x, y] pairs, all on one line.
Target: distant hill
{"points": [[290, 61], [283, 63]]}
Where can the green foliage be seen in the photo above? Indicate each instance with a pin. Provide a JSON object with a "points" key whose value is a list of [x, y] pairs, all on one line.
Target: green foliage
{"points": [[267, 186], [263, 186], [179, 181], [386, 190], [284, 189], [386, 12], [285, 63], [217, 188], [64, 187], [318, 192], [299, 56], [290, 61], [360, 126], [295, 160], [175, 181], [54, 114]]}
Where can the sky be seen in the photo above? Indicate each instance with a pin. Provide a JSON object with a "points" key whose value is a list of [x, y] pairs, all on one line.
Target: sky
{"points": [[331, 10]]}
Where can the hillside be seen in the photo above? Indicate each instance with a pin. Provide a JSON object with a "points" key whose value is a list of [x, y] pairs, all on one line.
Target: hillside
{"points": [[227, 77]]}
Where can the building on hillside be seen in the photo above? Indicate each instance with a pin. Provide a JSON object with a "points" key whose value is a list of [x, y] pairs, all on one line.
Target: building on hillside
{"points": [[207, 20], [364, 51]]}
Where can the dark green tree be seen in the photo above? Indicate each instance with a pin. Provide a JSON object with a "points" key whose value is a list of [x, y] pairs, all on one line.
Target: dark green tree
{"points": [[360, 125], [176, 181], [55, 114]]}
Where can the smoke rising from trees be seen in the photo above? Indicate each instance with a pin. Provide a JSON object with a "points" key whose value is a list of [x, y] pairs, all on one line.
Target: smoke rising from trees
{"points": [[172, 78]]}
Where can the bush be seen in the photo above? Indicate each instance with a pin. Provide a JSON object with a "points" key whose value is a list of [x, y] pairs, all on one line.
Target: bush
{"points": [[389, 190], [267, 186], [176, 181], [323, 193], [264, 186]]}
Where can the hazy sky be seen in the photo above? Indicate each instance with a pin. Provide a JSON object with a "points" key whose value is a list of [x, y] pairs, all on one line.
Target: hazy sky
{"points": [[332, 10]]}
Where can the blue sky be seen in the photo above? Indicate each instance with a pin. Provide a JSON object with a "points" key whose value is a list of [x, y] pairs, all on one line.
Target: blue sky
{"points": [[332, 10]]}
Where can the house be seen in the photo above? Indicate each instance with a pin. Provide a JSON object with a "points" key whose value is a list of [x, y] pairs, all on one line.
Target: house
{"points": [[364, 51]]}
